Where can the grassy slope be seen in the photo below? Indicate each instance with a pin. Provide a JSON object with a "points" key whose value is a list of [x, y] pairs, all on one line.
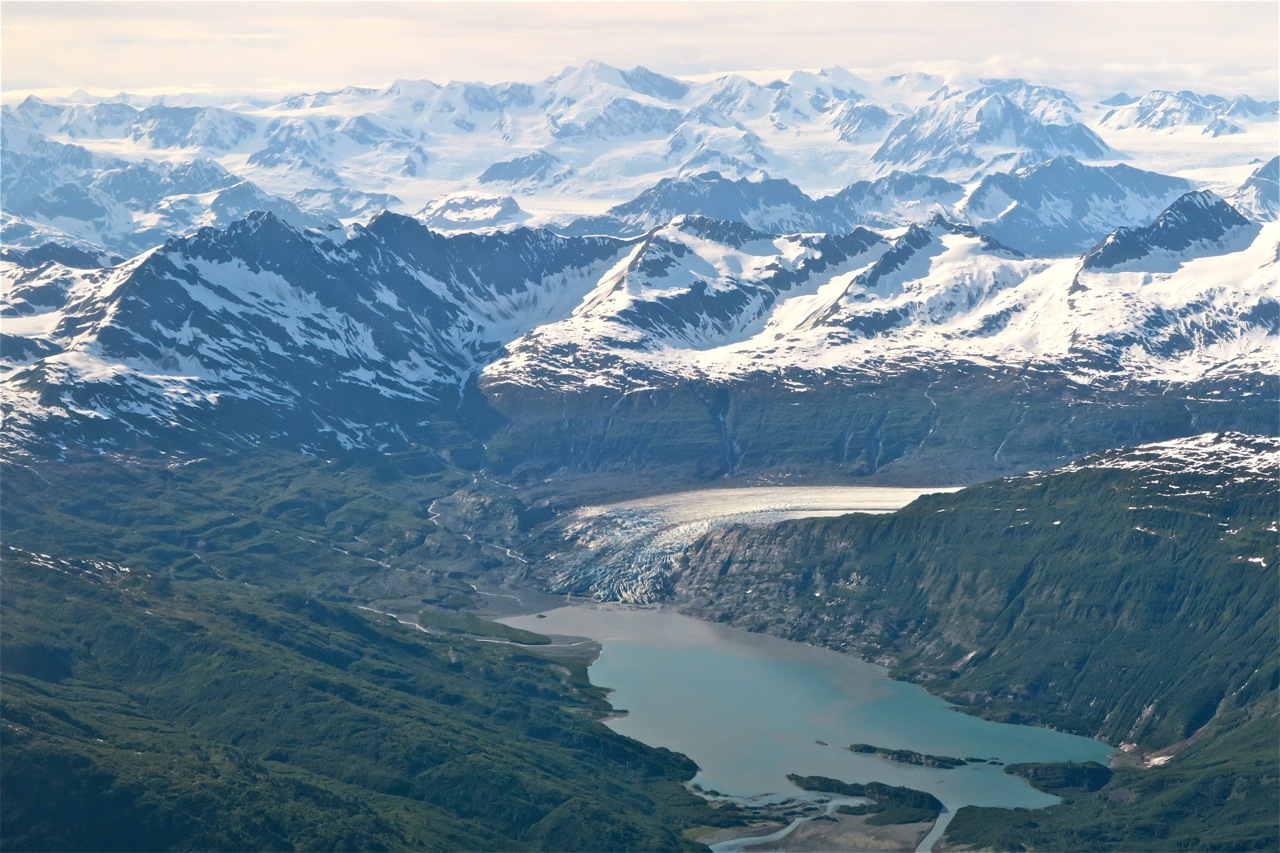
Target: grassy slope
{"points": [[208, 698], [144, 714], [259, 516], [1221, 794]]}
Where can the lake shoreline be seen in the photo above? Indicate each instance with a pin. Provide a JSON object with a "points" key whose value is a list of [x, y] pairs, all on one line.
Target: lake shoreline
{"points": [[760, 751], [1119, 757]]}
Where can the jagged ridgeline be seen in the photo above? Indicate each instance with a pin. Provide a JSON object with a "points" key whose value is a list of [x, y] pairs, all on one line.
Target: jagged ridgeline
{"points": [[701, 348], [962, 283], [121, 174]]}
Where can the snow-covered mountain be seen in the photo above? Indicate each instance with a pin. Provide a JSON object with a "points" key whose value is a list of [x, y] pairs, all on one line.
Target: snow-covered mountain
{"points": [[891, 200], [1001, 124], [1197, 224], [263, 317], [570, 146], [62, 192], [940, 292], [771, 205], [1259, 196], [1162, 110], [261, 329], [776, 206], [1062, 207], [346, 204], [259, 325], [248, 268], [472, 212]]}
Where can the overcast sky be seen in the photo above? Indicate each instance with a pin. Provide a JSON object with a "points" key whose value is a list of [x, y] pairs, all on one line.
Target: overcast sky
{"points": [[1094, 48]]}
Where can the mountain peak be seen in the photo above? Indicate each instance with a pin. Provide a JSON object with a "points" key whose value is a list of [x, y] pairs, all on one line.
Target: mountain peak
{"points": [[471, 210], [387, 223], [259, 219], [836, 81], [1197, 218], [1201, 199], [1063, 162], [1062, 207], [592, 71], [1200, 211], [645, 82], [1259, 196], [986, 128], [411, 89], [938, 225]]}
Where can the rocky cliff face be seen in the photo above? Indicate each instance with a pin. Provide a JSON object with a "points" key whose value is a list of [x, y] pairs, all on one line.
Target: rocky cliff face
{"points": [[1130, 597], [931, 425]]}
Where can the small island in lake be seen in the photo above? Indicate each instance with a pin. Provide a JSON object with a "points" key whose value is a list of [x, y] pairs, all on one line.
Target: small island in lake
{"points": [[1063, 778], [906, 756], [888, 804]]}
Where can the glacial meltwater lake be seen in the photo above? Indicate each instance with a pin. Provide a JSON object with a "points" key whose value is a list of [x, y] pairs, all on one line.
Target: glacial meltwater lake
{"points": [[750, 708]]}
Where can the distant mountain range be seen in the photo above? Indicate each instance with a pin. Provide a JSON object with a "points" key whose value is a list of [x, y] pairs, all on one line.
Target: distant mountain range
{"points": [[122, 174], [178, 267], [1161, 110]]}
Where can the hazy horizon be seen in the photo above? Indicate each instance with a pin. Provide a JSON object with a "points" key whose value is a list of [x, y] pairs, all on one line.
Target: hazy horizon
{"points": [[1090, 48]]}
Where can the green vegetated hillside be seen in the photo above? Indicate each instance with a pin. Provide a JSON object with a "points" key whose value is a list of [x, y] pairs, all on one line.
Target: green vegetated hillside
{"points": [[355, 525], [1220, 794], [1137, 604], [174, 678], [144, 714], [221, 695]]}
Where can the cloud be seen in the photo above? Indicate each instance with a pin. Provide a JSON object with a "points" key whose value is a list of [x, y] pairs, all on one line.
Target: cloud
{"points": [[246, 46]]}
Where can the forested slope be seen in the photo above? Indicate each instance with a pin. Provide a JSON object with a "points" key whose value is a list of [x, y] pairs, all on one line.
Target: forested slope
{"points": [[1131, 597]]}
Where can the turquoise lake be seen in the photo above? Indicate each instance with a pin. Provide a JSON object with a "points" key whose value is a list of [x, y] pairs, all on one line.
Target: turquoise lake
{"points": [[749, 709]]}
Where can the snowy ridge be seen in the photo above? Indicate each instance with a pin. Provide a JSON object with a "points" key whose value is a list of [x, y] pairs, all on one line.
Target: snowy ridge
{"points": [[1062, 207], [349, 332], [937, 293], [1161, 110], [56, 192], [349, 337], [1228, 456], [777, 206], [572, 145], [1259, 196], [768, 205], [1199, 221], [472, 212], [999, 124]]}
